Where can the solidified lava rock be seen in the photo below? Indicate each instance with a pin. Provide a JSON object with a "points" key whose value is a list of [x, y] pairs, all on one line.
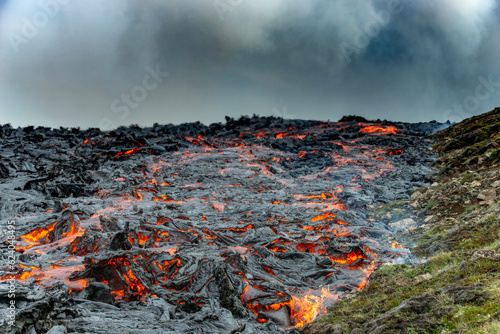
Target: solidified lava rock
{"points": [[247, 226], [120, 240], [98, 292], [230, 295], [4, 171]]}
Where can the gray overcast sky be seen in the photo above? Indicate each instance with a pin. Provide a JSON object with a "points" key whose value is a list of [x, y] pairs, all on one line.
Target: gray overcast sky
{"points": [[92, 63]]}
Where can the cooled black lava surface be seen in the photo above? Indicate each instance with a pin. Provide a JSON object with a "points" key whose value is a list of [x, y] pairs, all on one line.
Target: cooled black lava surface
{"points": [[250, 226]]}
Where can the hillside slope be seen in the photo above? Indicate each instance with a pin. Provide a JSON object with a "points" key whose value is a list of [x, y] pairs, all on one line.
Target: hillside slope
{"points": [[452, 227]]}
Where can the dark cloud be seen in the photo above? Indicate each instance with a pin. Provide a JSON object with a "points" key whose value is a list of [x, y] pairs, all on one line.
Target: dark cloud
{"points": [[319, 59]]}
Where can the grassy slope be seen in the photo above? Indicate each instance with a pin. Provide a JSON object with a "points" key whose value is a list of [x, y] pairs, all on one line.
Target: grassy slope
{"points": [[456, 287]]}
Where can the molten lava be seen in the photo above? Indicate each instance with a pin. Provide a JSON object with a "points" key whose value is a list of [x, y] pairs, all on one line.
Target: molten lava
{"points": [[275, 216], [379, 129]]}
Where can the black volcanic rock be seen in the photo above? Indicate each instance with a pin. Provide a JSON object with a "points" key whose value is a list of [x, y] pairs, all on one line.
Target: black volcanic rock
{"points": [[4, 171], [222, 228], [98, 292]]}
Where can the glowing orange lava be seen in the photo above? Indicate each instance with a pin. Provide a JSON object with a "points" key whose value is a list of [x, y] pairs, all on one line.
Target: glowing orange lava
{"points": [[324, 216], [379, 129], [307, 307]]}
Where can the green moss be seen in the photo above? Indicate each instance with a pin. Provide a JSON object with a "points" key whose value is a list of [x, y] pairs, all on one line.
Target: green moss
{"points": [[390, 206], [482, 134], [468, 210], [495, 156], [441, 187], [431, 204], [492, 219], [487, 328], [467, 178], [478, 236]]}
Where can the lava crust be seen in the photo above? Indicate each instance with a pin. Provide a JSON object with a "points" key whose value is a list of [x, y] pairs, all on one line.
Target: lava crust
{"points": [[253, 226]]}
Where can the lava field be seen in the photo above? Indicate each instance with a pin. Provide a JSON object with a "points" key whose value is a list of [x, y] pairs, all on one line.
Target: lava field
{"points": [[256, 225]]}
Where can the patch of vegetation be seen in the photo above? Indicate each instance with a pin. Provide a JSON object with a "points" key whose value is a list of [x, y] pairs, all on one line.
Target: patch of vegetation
{"points": [[441, 187], [468, 210], [390, 206], [479, 235], [431, 205], [492, 219], [467, 178], [488, 328], [495, 156]]}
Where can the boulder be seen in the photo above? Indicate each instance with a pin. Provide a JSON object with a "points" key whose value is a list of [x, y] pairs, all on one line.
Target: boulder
{"points": [[99, 292], [4, 171], [487, 195], [403, 224]]}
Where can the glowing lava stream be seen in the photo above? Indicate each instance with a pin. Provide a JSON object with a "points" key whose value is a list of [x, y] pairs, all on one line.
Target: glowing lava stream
{"points": [[292, 240], [302, 308]]}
